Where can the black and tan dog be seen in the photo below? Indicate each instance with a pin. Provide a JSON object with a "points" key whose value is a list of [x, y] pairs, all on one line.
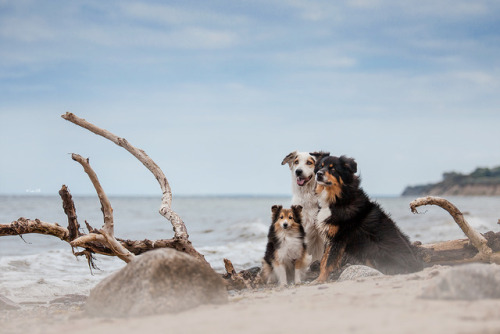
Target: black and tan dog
{"points": [[355, 226], [286, 258]]}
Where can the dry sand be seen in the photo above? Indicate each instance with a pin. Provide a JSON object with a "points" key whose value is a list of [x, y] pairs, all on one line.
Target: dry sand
{"points": [[387, 304]]}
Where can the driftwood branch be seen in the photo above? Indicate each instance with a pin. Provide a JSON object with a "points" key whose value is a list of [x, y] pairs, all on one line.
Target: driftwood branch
{"points": [[476, 239], [24, 226], [107, 234], [181, 238], [103, 241], [93, 241], [180, 230], [70, 211], [245, 279]]}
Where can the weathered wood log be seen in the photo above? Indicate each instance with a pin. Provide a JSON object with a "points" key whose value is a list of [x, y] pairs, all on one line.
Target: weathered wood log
{"points": [[245, 279], [477, 240], [70, 211], [459, 251], [25, 226], [94, 243]]}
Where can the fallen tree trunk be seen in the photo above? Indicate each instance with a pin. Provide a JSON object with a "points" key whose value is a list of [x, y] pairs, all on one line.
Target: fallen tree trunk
{"points": [[459, 251], [136, 247]]}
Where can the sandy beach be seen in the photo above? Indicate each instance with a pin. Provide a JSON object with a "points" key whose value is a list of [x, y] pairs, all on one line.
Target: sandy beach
{"points": [[383, 304]]}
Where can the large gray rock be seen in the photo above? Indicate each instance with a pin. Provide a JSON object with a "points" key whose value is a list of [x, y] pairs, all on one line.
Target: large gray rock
{"points": [[466, 282], [157, 281], [358, 271]]}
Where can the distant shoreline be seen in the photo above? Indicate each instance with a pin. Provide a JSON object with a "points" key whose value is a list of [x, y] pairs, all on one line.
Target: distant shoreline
{"points": [[481, 182]]}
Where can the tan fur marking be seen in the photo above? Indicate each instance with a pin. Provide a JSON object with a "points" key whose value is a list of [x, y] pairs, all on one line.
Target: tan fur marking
{"points": [[319, 188], [332, 230], [324, 269], [334, 190]]}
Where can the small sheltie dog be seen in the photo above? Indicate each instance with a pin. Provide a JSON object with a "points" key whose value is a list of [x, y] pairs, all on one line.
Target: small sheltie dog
{"points": [[355, 226], [286, 258]]}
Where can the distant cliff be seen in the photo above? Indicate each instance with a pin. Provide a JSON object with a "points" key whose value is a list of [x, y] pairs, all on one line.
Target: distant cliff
{"points": [[481, 182]]}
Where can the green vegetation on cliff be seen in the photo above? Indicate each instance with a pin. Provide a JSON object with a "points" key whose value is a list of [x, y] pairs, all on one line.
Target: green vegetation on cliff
{"points": [[482, 181]]}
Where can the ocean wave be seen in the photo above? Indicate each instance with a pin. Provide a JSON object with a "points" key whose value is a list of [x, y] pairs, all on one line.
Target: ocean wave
{"points": [[42, 277], [243, 255]]}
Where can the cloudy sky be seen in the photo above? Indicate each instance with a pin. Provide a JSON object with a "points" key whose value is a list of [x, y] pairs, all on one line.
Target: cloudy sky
{"points": [[218, 92]]}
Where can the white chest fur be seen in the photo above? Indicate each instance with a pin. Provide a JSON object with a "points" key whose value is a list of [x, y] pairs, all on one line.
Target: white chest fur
{"points": [[290, 247], [323, 214]]}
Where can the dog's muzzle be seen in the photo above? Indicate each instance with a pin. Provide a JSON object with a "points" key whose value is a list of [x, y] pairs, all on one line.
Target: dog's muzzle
{"points": [[301, 179], [320, 177]]}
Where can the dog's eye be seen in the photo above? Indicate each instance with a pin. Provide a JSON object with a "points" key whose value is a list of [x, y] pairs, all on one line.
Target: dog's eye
{"points": [[296, 162], [290, 217], [309, 162], [331, 166], [281, 217]]}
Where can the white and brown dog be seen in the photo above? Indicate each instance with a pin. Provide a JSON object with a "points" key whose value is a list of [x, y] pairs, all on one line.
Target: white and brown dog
{"points": [[304, 194]]}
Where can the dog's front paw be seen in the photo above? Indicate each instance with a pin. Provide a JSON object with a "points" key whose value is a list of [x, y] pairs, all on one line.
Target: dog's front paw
{"points": [[318, 281]]}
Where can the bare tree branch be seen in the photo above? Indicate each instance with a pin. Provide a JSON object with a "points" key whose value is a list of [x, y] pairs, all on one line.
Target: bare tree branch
{"points": [[107, 232], [24, 226], [180, 230], [477, 240], [70, 211]]}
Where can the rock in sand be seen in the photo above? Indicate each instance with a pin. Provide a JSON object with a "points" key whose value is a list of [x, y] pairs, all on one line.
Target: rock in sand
{"points": [[158, 281], [358, 271], [467, 282]]}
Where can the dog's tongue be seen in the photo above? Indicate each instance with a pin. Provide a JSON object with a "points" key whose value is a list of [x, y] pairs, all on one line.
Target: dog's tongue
{"points": [[301, 181]]}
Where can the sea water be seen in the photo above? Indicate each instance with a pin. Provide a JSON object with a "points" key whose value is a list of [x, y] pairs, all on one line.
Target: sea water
{"points": [[39, 268]]}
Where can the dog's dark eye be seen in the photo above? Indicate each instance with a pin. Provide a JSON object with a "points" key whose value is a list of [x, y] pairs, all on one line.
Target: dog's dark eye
{"points": [[296, 162], [309, 162], [290, 217], [281, 217]]}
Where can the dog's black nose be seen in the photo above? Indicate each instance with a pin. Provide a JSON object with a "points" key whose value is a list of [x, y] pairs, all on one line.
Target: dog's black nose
{"points": [[320, 173], [298, 172], [285, 225]]}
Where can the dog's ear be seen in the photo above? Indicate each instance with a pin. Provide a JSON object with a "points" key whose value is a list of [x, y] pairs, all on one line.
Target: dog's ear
{"points": [[349, 163], [289, 158], [319, 155], [276, 209], [297, 213]]}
